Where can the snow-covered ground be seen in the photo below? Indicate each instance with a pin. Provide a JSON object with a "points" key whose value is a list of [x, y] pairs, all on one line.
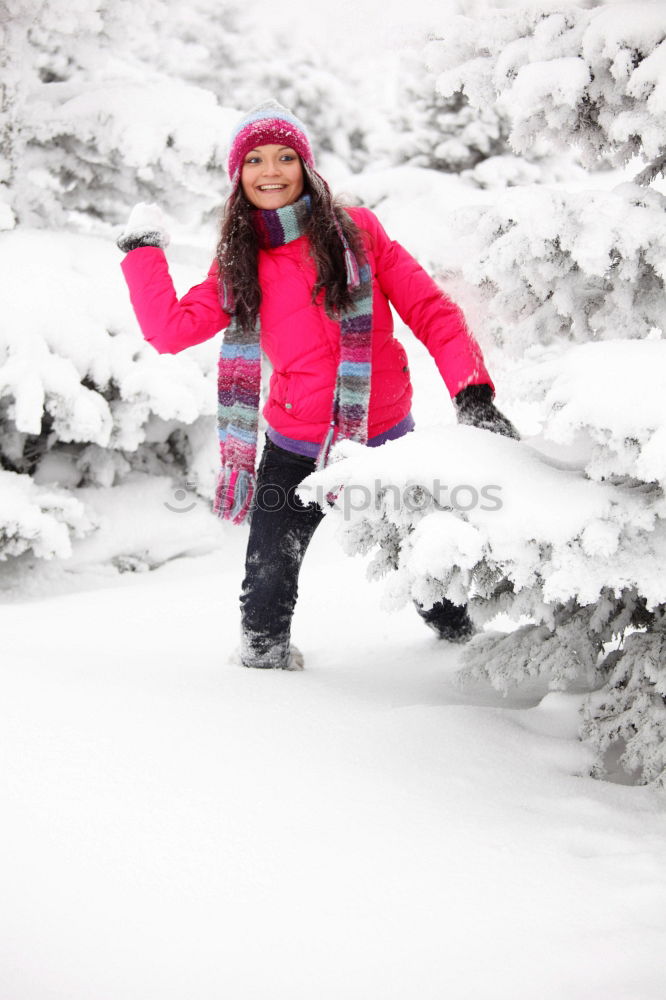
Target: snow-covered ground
{"points": [[175, 826]]}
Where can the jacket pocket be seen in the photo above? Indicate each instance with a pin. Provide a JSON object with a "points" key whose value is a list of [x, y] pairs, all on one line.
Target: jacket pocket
{"points": [[404, 360], [282, 390]]}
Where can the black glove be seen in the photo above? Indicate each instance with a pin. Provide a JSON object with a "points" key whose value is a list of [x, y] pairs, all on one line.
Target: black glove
{"points": [[475, 406]]}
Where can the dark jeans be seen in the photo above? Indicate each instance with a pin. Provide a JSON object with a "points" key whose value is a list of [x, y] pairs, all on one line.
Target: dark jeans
{"points": [[280, 532]]}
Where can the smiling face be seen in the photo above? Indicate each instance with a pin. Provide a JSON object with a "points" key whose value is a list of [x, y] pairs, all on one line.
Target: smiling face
{"points": [[272, 176]]}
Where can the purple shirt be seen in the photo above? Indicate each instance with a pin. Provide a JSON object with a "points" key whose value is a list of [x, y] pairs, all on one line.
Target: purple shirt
{"points": [[311, 448]]}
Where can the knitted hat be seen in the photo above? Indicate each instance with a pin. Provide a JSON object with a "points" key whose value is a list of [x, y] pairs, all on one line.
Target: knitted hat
{"points": [[269, 122]]}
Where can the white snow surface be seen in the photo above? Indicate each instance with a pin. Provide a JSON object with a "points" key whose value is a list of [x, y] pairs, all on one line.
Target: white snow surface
{"points": [[137, 118], [614, 394], [175, 825]]}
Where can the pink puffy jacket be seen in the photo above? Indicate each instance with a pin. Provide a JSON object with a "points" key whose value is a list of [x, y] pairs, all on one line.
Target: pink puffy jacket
{"points": [[301, 342]]}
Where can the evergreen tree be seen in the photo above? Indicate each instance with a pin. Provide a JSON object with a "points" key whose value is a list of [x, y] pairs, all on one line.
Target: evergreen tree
{"points": [[84, 401], [588, 267], [311, 86], [91, 122], [591, 78], [95, 117], [440, 132], [568, 291]]}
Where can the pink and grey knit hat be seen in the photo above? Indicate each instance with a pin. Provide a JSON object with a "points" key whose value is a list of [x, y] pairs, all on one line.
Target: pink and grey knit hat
{"points": [[269, 122]]}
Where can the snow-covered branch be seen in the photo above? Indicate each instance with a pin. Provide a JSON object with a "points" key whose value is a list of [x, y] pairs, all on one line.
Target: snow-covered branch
{"points": [[590, 77]]}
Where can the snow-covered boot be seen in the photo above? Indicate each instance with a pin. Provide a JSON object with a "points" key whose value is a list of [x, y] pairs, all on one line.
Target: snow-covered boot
{"points": [[450, 621], [273, 656]]}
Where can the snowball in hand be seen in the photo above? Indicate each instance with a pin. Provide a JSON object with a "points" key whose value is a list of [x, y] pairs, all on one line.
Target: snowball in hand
{"points": [[147, 218]]}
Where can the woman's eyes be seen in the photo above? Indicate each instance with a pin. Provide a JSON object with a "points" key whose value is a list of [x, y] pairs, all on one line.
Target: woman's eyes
{"points": [[287, 157]]}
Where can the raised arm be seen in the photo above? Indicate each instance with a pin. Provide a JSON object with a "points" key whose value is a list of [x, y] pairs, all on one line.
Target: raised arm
{"points": [[168, 323]]}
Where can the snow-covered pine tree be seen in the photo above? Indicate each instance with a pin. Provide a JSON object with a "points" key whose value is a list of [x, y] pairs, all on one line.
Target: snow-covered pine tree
{"points": [[441, 129], [201, 42], [591, 78], [588, 266], [90, 123], [440, 132], [567, 294], [83, 399], [98, 120], [312, 87]]}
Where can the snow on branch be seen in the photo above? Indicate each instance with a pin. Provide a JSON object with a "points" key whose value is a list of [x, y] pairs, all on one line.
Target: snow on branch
{"points": [[460, 513], [83, 399], [473, 514], [122, 141], [608, 400], [37, 520], [590, 77], [551, 264], [631, 709]]}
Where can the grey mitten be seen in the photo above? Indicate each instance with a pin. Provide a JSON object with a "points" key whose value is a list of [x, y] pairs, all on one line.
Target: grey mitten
{"points": [[474, 405], [146, 227]]}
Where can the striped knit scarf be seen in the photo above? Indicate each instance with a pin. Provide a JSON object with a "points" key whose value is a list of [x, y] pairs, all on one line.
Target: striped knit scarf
{"points": [[239, 370]]}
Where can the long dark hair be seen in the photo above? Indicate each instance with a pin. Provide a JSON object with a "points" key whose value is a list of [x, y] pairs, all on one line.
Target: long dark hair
{"points": [[238, 248]]}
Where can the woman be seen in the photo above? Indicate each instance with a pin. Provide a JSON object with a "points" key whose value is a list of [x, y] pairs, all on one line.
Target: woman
{"points": [[307, 283]]}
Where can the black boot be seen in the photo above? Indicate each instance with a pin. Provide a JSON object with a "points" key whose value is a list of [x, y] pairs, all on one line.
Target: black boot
{"points": [[450, 621]]}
